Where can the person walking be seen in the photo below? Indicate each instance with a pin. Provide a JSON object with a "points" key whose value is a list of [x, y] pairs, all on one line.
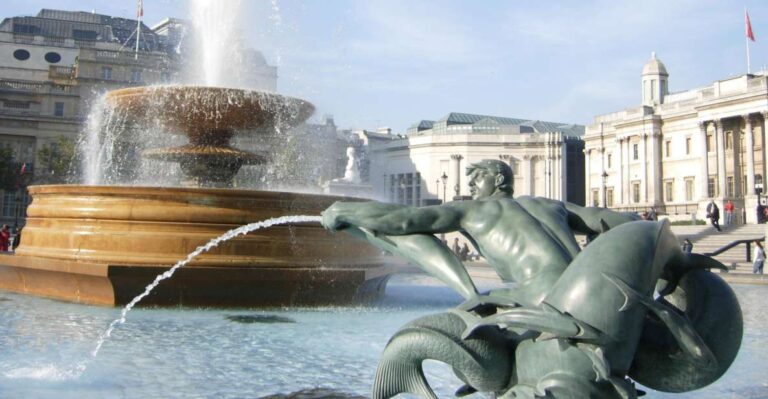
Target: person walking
{"points": [[456, 247], [687, 246], [5, 238], [728, 208], [759, 258], [652, 215], [713, 213]]}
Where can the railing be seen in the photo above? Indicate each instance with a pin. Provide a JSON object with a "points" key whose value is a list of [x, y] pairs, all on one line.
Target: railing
{"points": [[747, 242], [60, 72], [35, 87]]}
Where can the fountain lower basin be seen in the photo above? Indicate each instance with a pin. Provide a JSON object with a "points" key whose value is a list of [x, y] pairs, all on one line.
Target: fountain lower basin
{"points": [[103, 244]]}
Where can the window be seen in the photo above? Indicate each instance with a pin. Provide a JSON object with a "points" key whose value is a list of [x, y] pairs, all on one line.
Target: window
{"points": [[106, 73], [53, 57], [26, 29], [667, 148], [729, 186], [711, 187], [15, 202], [687, 146], [609, 160], [668, 193], [636, 192], [609, 197], [58, 109], [16, 104], [21, 55], [595, 197], [710, 144], [78, 34], [689, 189], [136, 75], [728, 140], [634, 152]]}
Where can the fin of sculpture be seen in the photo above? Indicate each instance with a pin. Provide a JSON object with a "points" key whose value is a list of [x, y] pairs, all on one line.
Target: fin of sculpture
{"points": [[426, 252]]}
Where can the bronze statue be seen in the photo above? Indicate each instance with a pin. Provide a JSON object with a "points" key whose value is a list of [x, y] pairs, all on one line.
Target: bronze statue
{"points": [[577, 323]]}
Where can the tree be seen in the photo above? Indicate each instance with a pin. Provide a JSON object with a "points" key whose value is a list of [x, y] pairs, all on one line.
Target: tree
{"points": [[10, 170], [58, 162]]}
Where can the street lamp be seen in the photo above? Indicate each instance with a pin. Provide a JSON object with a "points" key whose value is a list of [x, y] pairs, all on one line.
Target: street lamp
{"points": [[444, 178], [437, 188]]}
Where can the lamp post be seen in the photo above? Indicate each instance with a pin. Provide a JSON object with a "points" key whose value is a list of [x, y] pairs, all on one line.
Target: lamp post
{"points": [[437, 188], [444, 178], [604, 176]]}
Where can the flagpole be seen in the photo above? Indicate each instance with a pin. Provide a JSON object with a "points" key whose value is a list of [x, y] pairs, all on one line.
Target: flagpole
{"points": [[746, 40], [138, 29]]}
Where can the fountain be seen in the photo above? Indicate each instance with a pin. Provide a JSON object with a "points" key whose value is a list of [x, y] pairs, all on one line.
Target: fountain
{"points": [[102, 244]]}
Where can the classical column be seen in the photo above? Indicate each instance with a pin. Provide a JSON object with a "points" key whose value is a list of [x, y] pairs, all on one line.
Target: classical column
{"points": [[750, 155], [587, 176], [704, 178], [721, 183], [765, 151], [655, 193], [456, 158], [619, 189], [644, 167], [527, 175], [736, 150]]}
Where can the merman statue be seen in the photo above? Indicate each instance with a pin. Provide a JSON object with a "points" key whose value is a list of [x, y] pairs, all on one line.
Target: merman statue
{"points": [[578, 323]]}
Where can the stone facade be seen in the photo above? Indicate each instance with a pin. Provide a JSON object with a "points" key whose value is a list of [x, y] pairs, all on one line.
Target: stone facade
{"points": [[678, 151], [427, 165]]}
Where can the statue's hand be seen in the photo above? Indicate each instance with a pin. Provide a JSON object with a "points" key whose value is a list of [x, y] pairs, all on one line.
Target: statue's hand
{"points": [[332, 217]]}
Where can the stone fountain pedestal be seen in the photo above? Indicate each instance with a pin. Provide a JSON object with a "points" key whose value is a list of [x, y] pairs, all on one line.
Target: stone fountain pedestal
{"points": [[102, 245]]}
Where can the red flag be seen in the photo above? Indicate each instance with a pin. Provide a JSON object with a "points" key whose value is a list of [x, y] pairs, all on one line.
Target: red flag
{"points": [[140, 10], [750, 35]]}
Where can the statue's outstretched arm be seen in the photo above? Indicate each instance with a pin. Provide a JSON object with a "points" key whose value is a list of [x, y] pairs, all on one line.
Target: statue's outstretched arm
{"points": [[592, 220], [393, 219]]}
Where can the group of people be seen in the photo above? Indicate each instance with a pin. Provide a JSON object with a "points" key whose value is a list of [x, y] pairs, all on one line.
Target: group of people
{"points": [[8, 241], [713, 213], [462, 251]]}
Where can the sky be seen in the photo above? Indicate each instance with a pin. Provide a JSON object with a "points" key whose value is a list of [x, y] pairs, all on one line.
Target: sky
{"points": [[376, 63]]}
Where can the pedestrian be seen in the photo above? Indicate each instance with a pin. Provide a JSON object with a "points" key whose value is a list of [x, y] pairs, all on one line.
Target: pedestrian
{"points": [[687, 246], [728, 208], [464, 252], [713, 213], [17, 240], [5, 238], [456, 248], [652, 215], [759, 258]]}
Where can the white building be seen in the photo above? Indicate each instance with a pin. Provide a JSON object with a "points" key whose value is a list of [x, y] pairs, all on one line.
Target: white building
{"points": [[676, 151], [427, 165]]}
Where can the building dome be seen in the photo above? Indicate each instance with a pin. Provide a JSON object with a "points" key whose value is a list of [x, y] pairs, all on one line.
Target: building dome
{"points": [[654, 67]]}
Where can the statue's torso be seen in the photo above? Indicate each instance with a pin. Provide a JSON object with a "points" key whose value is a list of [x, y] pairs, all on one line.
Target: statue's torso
{"points": [[527, 238]]}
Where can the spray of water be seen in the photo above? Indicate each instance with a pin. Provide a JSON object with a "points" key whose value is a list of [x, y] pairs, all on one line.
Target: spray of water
{"points": [[242, 230]]}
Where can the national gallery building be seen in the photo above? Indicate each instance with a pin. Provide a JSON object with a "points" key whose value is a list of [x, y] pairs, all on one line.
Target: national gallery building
{"points": [[427, 165], [678, 151]]}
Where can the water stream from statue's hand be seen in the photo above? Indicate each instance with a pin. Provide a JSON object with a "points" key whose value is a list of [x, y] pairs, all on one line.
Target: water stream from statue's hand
{"points": [[80, 368]]}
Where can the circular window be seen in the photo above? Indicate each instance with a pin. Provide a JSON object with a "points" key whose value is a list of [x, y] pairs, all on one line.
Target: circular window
{"points": [[52, 57], [21, 55]]}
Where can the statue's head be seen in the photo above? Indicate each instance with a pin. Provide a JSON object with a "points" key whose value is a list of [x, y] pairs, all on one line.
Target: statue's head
{"points": [[490, 177]]}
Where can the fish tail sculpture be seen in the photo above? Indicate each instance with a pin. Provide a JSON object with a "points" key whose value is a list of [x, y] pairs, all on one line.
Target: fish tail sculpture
{"points": [[482, 362]]}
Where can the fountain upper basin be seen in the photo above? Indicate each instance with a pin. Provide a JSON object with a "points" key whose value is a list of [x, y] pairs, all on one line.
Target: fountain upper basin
{"points": [[198, 110]]}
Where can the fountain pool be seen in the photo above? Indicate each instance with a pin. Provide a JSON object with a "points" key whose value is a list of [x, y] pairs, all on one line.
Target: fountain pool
{"points": [[185, 352]]}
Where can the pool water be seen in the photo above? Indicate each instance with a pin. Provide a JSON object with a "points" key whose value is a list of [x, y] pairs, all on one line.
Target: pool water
{"points": [[45, 349]]}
